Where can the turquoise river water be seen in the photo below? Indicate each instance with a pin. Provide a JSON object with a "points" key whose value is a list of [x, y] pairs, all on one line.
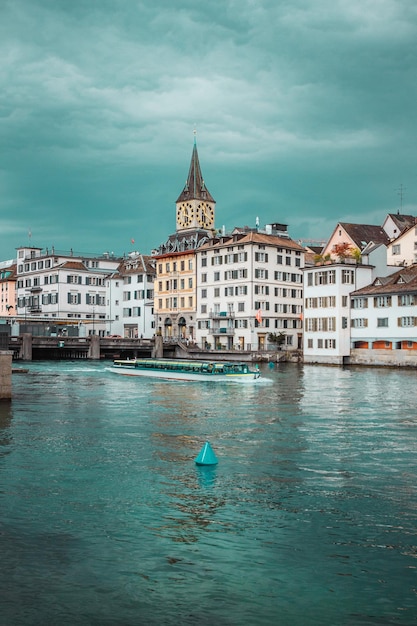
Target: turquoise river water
{"points": [[310, 516]]}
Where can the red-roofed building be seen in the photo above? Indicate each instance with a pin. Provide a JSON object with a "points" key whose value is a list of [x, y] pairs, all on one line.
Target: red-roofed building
{"points": [[384, 319]]}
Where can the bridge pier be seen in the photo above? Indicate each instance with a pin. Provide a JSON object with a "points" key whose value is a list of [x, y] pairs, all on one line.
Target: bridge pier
{"points": [[94, 349], [6, 374], [158, 349], [26, 349]]}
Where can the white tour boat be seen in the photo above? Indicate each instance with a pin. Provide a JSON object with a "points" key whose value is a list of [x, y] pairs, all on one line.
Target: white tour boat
{"points": [[186, 370]]}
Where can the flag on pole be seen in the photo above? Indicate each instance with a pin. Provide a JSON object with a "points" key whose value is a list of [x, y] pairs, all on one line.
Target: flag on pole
{"points": [[259, 316]]}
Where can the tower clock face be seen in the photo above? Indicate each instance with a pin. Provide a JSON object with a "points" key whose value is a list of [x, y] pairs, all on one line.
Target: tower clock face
{"points": [[185, 215], [206, 215]]}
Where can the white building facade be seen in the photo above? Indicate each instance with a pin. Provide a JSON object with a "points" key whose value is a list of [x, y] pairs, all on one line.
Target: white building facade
{"points": [[65, 290], [384, 315], [403, 249], [249, 285], [327, 290], [130, 298]]}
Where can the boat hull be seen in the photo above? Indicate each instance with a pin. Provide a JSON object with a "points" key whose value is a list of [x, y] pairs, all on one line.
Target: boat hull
{"points": [[133, 369]]}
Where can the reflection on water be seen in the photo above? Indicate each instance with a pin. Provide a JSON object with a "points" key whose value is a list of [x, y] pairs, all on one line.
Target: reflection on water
{"points": [[310, 515], [5, 423]]}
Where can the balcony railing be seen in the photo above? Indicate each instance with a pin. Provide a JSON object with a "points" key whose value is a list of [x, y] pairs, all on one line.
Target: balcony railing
{"points": [[218, 315]]}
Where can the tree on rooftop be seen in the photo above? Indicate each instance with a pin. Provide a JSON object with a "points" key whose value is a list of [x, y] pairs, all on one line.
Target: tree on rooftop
{"points": [[319, 259], [342, 251], [357, 255]]}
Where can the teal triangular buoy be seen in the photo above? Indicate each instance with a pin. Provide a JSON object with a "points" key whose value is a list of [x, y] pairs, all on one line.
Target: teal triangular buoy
{"points": [[206, 456]]}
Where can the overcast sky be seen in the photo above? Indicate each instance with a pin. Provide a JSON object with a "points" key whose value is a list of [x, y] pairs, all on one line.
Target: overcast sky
{"points": [[305, 112]]}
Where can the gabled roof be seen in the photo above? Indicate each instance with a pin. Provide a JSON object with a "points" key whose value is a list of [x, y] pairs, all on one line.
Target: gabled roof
{"points": [[363, 234], [370, 247], [404, 232], [381, 280], [254, 237], [8, 273], [73, 265], [403, 281], [137, 264], [314, 249], [402, 222], [195, 188]]}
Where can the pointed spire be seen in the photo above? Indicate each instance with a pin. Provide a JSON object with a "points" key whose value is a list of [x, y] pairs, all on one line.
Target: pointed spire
{"points": [[195, 188]]}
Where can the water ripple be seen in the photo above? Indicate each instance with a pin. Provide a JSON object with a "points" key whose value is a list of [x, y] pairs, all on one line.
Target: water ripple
{"points": [[310, 516]]}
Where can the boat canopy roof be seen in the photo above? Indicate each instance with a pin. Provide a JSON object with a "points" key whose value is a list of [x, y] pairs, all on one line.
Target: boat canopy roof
{"points": [[184, 364]]}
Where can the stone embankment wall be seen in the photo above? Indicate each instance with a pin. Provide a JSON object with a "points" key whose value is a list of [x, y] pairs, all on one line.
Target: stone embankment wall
{"points": [[377, 358], [324, 360], [390, 358]]}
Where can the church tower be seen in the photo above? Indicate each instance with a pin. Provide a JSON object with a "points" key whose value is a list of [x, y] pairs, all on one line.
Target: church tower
{"points": [[175, 287], [195, 205]]}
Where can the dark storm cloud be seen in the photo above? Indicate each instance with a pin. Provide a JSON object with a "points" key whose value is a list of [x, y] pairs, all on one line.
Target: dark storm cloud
{"points": [[305, 113]]}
